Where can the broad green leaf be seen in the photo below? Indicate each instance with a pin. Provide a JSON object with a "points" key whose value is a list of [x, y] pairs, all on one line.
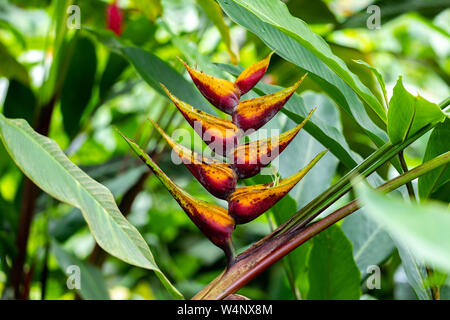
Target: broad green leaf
{"points": [[92, 283], [155, 71], [297, 260], [303, 148], [276, 14], [20, 102], [322, 130], [423, 228], [41, 160], [311, 11], [297, 53], [66, 226], [371, 244], [214, 13], [438, 144], [408, 114], [392, 9], [415, 271], [114, 68], [10, 68], [333, 274], [378, 76], [5, 24], [78, 84]]}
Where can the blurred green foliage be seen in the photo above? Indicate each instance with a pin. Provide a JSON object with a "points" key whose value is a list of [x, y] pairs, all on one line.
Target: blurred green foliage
{"points": [[95, 81]]}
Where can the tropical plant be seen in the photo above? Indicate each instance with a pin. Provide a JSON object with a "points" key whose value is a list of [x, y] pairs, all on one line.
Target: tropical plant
{"points": [[299, 122]]}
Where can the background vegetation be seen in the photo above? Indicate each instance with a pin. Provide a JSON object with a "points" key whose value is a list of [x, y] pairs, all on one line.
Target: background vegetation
{"points": [[76, 85]]}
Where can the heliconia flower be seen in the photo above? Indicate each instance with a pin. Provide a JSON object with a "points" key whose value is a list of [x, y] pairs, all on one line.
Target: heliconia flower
{"points": [[219, 134], [214, 221], [250, 158], [250, 76], [114, 18], [222, 94], [248, 203], [254, 113], [217, 177]]}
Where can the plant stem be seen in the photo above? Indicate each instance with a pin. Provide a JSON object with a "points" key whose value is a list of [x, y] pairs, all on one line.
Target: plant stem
{"points": [[409, 186], [367, 167], [272, 248], [444, 103]]}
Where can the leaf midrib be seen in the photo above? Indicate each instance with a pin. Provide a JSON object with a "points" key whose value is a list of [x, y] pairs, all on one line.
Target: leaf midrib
{"points": [[25, 132]]}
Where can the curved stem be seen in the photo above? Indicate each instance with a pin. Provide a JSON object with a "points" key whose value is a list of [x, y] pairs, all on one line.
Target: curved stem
{"points": [[272, 248]]}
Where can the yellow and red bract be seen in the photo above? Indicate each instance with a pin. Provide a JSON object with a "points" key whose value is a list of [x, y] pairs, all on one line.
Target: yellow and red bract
{"points": [[250, 158], [222, 94], [219, 134], [248, 203], [254, 113], [217, 177], [251, 75], [214, 221]]}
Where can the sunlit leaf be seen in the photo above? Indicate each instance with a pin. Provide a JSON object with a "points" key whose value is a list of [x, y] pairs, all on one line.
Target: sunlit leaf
{"points": [[45, 164], [408, 114], [276, 14], [438, 144], [422, 228]]}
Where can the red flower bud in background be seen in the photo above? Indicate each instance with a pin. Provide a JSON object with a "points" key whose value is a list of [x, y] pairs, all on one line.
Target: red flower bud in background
{"points": [[114, 18], [254, 113], [248, 203], [217, 177], [250, 76]]}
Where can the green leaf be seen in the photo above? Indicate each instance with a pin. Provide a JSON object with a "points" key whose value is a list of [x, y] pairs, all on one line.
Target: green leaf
{"points": [[408, 114], [67, 225], [438, 144], [371, 244], [155, 71], [297, 260], [77, 88], [114, 68], [20, 102], [415, 271], [297, 53], [392, 9], [378, 76], [311, 11], [276, 14], [10, 68], [423, 228], [333, 274], [214, 13], [92, 283], [303, 148], [41, 160]]}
